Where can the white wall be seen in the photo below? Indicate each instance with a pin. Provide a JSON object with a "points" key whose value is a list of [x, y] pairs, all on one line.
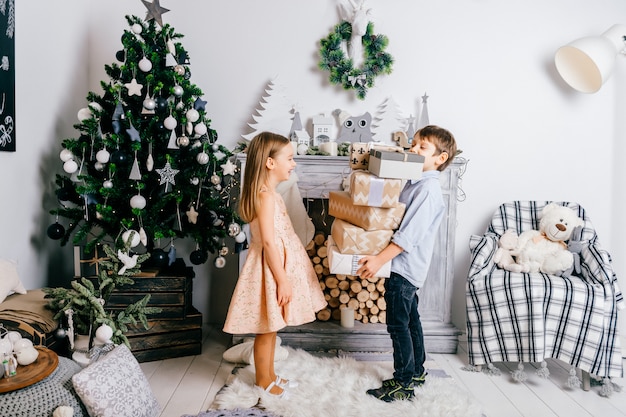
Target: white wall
{"points": [[487, 66]]}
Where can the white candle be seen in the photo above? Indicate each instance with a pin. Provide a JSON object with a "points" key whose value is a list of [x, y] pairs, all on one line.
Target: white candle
{"points": [[347, 316], [329, 147]]}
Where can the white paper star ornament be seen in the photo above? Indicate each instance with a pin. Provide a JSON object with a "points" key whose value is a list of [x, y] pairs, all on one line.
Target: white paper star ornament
{"points": [[134, 88], [229, 168], [192, 215]]}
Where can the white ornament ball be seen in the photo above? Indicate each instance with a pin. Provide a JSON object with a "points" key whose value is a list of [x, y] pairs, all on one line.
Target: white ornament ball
{"points": [[178, 90], [193, 115], [66, 155], [220, 262], [179, 69], [137, 28], [70, 166], [27, 356], [215, 147], [170, 122], [84, 114], [22, 344], [136, 239], [149, 103], [145, 64], [183, 141], [241, 237], [98, 166], [103, 156], [138, 202], [194, 181], [13, 337], [302, 149], [104, 333], [200, 129], [203, 158], [234, 229], [95, 106], [107, 184], [216, 179]]}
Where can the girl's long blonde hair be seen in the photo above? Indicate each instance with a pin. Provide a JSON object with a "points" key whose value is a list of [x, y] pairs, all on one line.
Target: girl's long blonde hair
{"points": [[263, 146]]}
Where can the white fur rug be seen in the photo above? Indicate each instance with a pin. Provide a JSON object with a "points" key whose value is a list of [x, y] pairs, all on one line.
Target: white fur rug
{"points": [[337, 387]]}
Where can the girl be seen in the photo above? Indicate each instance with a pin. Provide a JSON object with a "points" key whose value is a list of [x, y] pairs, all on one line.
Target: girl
{"points": [[277, 286]]}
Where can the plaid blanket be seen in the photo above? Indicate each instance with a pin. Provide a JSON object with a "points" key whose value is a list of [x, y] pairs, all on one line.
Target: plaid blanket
{"points": [[528, 317]]}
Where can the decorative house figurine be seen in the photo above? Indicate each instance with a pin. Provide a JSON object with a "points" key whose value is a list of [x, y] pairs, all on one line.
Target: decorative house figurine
{"points": [[301, 137], [322, 126]]}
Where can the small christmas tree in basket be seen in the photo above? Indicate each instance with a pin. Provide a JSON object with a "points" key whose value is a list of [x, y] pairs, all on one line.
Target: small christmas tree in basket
{"points": [[85, 303]]}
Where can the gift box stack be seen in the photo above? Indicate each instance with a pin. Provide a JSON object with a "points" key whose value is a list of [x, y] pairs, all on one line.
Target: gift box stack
{"points": [[365, 219]]}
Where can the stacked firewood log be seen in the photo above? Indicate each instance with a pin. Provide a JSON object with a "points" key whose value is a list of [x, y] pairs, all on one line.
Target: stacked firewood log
{"points": [[364, 296]]}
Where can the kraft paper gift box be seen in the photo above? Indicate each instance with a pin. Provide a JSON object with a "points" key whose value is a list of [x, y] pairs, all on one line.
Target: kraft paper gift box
{"points": [[341, 207], [354, 240], [346, 264], [359, 155], [403, 165], [367, 189]]}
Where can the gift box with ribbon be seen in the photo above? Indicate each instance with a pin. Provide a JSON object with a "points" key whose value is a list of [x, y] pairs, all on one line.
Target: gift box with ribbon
{"points": [[352, 239], [401, 165], [347, 264], [341, 207], [360, 152], [367, 189]]}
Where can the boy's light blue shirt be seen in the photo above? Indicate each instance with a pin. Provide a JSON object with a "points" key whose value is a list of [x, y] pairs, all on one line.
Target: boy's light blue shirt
{"points": [[418, 230]]}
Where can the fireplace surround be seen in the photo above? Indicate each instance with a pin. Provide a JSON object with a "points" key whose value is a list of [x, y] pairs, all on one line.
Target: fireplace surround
{"points": [[318, 175]]}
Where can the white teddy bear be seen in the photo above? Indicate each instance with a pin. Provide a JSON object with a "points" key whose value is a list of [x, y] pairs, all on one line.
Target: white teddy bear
{"points": [[545, 250], [505, 252]]}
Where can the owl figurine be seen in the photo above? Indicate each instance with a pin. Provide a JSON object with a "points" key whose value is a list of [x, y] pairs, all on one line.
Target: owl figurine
{"points": [[355, 128]]}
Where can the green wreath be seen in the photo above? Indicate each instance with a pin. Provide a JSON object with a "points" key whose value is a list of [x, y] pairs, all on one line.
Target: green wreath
{"points": [[333, 59]]}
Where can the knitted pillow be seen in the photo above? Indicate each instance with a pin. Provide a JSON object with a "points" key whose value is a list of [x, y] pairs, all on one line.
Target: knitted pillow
{"points": [[9, 279], [115, 386]]}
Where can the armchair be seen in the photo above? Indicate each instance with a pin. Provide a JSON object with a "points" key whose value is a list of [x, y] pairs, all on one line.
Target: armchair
{"points": [[529, 317]]}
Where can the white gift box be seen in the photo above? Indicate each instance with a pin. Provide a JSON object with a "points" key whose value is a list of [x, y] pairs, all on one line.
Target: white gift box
{"points": [[402, 165], [340, 263]]}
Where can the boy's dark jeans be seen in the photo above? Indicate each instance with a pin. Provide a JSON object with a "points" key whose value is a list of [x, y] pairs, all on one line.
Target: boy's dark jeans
{"points": [[405, 328]]}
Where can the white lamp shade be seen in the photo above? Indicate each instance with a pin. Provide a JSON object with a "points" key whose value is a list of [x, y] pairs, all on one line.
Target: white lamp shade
{"points": [[586, 63]]}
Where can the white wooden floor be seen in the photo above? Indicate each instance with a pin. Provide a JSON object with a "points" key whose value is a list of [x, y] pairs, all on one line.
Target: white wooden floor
{"points": [[188, 385]]}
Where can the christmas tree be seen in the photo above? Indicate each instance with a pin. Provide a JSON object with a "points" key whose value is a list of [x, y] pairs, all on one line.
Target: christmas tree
{"points": [[146, 168]]}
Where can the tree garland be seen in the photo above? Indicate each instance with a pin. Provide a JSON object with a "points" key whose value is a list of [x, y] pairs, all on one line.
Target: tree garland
{"points": [[333, 59]]}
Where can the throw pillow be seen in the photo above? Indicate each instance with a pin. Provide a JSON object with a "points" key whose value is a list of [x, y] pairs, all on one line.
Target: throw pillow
{"points": [[115, 386], [9, 279], [244, 352]]}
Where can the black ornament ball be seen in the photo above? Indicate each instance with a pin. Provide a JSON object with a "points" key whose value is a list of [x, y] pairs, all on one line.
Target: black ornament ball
{"points": [[161, 105], [65, 194], [56, 231], [60, 333], [119, 157], [120, 55], [159, 257], [198, 257]]}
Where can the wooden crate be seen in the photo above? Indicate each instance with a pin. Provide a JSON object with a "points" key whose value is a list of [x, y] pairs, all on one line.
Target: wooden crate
{"points": [[175, 331], [167, 338]]}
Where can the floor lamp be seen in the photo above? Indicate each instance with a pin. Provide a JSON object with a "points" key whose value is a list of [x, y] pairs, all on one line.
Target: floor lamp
{"points": [[586, 63]]}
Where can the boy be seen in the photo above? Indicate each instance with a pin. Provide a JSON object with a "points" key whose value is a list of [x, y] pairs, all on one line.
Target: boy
{"points": [[411, 250]]}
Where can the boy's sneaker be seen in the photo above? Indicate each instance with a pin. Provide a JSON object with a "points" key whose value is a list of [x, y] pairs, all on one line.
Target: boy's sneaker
{"points": [[419, 380], [393, 390]]}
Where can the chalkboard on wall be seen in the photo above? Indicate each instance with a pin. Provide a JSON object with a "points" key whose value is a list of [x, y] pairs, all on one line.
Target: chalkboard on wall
{"points": [[7, 75]]}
